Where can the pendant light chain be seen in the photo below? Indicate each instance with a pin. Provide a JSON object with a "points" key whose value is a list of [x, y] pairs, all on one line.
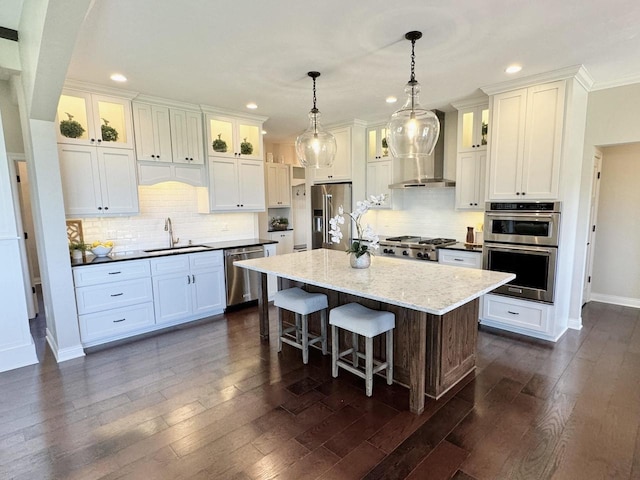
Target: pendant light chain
{"points": [[413, 62], [314, 110]]}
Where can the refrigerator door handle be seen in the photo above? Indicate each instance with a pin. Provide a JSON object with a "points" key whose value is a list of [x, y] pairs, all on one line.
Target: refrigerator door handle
{"points": [[325, 217]]}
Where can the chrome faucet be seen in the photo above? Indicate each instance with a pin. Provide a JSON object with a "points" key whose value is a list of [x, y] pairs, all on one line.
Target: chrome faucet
{"points": [[169, 228]]}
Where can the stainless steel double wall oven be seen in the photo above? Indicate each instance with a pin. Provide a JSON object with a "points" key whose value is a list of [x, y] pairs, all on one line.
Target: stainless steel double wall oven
{"points": [[522, 238]]}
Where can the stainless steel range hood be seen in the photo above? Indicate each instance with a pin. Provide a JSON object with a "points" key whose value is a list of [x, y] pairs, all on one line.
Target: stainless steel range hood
{"points": [[430, 172]]}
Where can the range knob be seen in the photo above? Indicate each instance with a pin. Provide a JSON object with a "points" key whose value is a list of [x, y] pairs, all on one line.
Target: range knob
{"points": [[392, 252], [385, 250], [405, 253], [419, 255]]}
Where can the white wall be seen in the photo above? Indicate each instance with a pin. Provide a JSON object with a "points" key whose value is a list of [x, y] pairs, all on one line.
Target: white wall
{"points": [[616, 266], [11, 119], [157, 202], [613, 117]]}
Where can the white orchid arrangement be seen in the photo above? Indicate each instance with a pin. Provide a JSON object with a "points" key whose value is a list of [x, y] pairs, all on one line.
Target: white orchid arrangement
{"points": [[367, 241]]}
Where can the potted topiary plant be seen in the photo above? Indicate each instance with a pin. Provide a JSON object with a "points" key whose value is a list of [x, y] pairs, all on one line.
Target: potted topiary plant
{"points": [[109, 134], [246, 148], [71, 128], [385, 147], [219, 145], [77, 250]]}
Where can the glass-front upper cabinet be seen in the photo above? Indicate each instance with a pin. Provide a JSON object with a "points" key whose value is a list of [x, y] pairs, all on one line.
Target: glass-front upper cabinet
{"points": [[234, 137], [89, 119], [473, 128], [377, 148]]}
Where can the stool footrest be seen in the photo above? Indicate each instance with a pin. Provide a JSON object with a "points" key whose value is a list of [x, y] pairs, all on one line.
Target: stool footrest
{"points": [[359, 372]]}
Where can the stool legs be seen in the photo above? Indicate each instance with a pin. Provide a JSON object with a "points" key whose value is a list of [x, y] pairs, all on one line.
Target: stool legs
{"points": [[368, 365], [323, 330], [305, 339], [334, 351], [279, 330], [390, 357], [354, 344]]}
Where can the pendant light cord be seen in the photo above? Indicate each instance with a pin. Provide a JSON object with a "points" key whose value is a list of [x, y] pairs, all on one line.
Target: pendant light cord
{"points": [[412, 80], [314, 110]]}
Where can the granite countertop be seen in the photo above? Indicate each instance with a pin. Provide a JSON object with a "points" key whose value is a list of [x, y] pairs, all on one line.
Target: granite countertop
{"points": [[464, 247], [141, 254], [432, 288]]}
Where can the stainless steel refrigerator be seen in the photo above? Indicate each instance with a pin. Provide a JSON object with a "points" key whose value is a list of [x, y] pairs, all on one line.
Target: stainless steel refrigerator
{"points": [[325, 201]]}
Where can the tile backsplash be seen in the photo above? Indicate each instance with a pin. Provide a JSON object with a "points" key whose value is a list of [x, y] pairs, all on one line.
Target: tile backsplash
{"points": [[428, 212], [177, 201]]}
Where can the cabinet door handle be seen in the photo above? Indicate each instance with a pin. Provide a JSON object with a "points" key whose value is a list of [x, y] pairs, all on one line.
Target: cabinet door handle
{"points": [[116, 294], [118, 321], [115, 273], [513, 313], [99, 140], [193, 278], [153, 156], [99, 208], [106, 208], [188, 280], [458, 259]]}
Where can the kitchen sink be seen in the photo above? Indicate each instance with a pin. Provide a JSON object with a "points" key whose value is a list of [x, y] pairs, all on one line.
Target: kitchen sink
{"points": [[185, 249]]}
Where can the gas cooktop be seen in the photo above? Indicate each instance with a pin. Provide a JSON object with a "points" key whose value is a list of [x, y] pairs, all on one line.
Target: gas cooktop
{"points": [[414, 247]]}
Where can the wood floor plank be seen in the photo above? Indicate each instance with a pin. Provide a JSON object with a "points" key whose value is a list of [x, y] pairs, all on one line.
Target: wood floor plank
{"points": [[210, 400]]}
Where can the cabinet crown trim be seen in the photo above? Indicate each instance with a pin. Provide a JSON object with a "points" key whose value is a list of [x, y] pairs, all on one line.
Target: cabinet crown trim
{"points": [[471, 102], [99, 89], [576, 71], [353, 123], [232, 113], [165, 102]]}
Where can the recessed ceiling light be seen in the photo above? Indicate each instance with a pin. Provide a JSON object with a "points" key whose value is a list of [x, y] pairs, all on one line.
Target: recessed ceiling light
{"points": [[264, 132], [391, 100], [118, 77], [513, 69], [252, 106]]}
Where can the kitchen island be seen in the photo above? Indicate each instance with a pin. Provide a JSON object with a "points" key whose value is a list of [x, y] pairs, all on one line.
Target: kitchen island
{"points": [[436, 309]]}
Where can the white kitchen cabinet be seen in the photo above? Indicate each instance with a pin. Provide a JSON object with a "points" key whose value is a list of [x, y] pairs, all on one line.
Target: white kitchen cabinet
{"points": [[470, 180], [520, 316], [341, 168], [270, 250], [526, 143], [284, 239], [114, 300], [473, 127], [98, 181], [278, 185], [186, 287], [377, 148], [235, 185], [459, 258], [187, 139], [381, 174], [152, 132], [84, 118], [234, 131]]}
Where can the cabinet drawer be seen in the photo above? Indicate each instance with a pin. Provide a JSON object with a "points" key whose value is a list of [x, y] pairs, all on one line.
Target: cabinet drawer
{"points": [[519, 313], [205, 260], [113, 272], [173, 264], [459, 258], [96, 298], [116, 321]]}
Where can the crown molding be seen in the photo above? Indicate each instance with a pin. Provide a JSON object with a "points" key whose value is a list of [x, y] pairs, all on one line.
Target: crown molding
{"points": [[233, 113], [578, 72], [620, 82], [166, 102], [352, 123], [100, 89], [470, 102]]}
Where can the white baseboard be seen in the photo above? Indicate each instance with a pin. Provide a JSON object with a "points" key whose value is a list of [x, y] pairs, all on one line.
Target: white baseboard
{"points": [[19, 356], [66, 353], [624, 301], [522, 331], [575, 323]]}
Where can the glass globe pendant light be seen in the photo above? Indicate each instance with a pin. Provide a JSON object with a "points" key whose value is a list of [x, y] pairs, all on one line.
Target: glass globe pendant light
{"points": [[413, 130], [316, 148]]}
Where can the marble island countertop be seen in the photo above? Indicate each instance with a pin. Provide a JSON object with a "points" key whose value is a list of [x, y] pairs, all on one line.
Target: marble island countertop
{"points": [[423, 286]]}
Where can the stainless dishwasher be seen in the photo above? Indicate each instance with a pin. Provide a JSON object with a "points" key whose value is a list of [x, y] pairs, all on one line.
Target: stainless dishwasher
{"points": [[242, 284]]}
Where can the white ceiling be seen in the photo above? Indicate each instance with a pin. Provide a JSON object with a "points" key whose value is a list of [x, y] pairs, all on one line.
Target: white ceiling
{"points": [[227, 53]]}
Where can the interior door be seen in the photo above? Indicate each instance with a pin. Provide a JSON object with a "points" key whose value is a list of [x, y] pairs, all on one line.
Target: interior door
{"points": [[593, 215]]}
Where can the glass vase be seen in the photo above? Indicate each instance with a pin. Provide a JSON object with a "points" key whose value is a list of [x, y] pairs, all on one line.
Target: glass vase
{"points": [[363, 261]]}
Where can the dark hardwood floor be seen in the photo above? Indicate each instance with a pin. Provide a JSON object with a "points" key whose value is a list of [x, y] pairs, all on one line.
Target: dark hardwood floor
{"points": [[211, 401]]}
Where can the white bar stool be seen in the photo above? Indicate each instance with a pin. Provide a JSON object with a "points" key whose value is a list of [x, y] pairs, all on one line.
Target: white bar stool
{"points": [[302, 303], [360, 320]]}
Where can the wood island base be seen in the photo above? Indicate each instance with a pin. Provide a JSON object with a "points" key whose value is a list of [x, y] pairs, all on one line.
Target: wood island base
{"points": [[431, 352]]}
